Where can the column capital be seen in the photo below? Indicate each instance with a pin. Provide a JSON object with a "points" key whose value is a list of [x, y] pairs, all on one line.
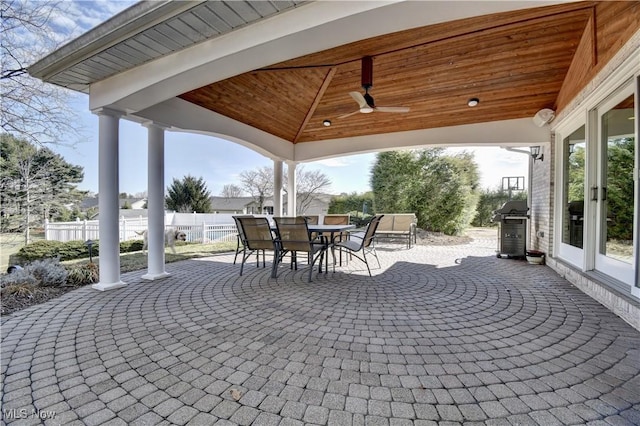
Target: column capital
{"points": [[150, 123], [108, 111]]}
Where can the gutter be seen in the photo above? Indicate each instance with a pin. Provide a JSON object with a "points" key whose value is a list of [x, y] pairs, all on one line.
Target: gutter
{"points": [[126, 24]]}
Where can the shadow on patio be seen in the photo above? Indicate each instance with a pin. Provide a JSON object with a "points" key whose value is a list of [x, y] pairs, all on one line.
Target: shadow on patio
{"points": [[438, 334]]}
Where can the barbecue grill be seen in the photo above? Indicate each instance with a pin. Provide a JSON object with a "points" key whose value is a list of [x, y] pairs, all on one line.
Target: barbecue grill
{"points": [[512, 228]]}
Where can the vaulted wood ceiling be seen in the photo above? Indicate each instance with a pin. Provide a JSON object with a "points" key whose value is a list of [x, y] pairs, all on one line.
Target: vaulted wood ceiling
{"points": [[514, 63]]}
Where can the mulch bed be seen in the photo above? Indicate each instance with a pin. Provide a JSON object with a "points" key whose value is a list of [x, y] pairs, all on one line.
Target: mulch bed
{"points": [[17, 301]]}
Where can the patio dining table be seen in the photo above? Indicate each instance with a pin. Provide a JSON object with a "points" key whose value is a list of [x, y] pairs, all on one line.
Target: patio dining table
{"points": [[333, 231]]}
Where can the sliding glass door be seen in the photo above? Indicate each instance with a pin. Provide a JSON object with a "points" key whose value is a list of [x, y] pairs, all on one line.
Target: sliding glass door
{"points": [[573, 157], [614, 193]]}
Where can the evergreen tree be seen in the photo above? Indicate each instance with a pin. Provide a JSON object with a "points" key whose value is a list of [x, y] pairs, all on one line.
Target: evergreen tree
{"points": [[35, 184], [188, 195], [442, 190]]}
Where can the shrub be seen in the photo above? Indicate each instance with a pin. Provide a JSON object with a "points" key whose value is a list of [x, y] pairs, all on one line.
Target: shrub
{"points": [[17, 278], [69, 250], [47, 272], [87, 273], [131, 245], [19, 290]]}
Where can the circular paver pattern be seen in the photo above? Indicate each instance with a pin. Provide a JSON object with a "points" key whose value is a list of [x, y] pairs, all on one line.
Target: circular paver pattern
{"points": [[438, 335]]}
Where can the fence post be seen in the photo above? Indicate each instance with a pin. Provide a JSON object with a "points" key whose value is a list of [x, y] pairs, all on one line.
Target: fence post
{"points": [[124, 229], [84, 230], [46, 229], [204, 232]]}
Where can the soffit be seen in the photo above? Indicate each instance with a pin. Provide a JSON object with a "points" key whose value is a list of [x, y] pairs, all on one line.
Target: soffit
{"points": [[147, 31]]}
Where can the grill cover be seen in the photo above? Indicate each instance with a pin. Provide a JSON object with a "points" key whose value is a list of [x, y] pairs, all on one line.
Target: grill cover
{"points": [[513, 207]]}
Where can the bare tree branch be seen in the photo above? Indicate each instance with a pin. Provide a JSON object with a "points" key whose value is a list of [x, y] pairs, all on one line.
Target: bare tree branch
{"points": [[30, 109]]}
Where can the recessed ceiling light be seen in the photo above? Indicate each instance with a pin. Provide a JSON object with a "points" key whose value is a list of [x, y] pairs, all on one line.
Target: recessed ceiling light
{"points": [[326, 123], [473, 102]]}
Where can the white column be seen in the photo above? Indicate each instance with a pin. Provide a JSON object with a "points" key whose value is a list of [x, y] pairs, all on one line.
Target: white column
{"points": [[155, 203], [108, 187], [292, 209], [277, 188]]}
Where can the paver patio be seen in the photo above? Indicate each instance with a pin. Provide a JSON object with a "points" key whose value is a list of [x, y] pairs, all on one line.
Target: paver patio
{"points": [[439, 335]]}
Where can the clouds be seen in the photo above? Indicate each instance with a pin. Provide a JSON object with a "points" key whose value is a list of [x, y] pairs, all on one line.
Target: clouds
{"points": [[494, 163], [73, 18]]}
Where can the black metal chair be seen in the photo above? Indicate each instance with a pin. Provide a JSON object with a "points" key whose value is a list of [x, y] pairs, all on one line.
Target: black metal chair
{"points": [[257, 237], [364, 244], [294, 237], [240, 239]]}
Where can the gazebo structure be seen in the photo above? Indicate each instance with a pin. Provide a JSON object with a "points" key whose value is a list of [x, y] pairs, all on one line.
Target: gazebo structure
{"points": [[279, 77]]}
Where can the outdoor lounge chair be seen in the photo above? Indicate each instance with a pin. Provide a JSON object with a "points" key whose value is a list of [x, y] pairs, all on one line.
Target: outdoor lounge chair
{"points": [[258, 236], [364, 244], [294, 237]]}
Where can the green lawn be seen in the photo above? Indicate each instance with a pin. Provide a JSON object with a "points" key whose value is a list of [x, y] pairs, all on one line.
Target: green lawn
{"points": [[11, 243], [138, 260]]}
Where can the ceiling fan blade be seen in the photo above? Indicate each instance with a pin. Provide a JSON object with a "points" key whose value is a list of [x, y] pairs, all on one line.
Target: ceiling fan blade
{"points": [[348, 115], [359, 98], [392, 109]]}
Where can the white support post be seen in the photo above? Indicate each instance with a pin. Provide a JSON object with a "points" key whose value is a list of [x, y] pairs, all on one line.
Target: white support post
{"points": [[292, 208], [277, 188], [155, 204], [108, 186]]}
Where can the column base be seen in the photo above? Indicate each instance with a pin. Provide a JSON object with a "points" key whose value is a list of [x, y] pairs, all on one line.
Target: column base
{"points": [[108, 286], [153, 277]]}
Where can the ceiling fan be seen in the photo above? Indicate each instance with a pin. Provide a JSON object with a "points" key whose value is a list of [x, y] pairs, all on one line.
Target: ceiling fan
{"points": [[365, 102]]}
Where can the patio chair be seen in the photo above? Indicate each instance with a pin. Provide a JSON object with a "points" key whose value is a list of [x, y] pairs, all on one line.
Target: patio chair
{"points": [[257, 236], [364, 244], [337, 219], [294, 237], [240, 239], [312, 219]]}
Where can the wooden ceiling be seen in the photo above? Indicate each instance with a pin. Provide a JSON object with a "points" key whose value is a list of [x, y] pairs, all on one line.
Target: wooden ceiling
{"points": [[514, 63]]}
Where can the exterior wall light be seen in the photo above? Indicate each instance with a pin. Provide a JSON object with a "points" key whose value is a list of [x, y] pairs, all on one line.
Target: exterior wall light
{"points": [[536, 153], [473, 102]]}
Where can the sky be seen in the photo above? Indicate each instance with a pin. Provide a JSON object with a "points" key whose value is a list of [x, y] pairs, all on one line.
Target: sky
{"points": [[217, 161]]}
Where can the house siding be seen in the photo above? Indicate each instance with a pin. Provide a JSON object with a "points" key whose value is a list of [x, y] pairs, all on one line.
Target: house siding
{"points": [[542, 187]]}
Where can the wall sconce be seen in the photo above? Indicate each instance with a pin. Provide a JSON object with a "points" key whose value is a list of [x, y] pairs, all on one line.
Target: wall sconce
{"points": [[536, 153]]}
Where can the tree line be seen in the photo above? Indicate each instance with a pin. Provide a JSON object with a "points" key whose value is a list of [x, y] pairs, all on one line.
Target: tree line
{"points": [[442, 190]]}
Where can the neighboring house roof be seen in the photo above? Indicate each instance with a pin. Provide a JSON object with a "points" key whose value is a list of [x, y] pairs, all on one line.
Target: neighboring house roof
{"points": [[227, 203], [129, 214], [88, 203], [135, 203]]}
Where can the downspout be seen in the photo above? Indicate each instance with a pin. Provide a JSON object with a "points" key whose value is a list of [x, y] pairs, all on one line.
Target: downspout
{"points": [[529, 187]]}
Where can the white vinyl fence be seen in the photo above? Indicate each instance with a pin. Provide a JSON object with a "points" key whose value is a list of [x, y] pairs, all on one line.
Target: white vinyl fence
{"points": [[216, 229]]}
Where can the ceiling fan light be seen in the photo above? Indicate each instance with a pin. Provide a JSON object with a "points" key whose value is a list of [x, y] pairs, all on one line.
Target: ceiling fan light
{"points": [[473, 102]]}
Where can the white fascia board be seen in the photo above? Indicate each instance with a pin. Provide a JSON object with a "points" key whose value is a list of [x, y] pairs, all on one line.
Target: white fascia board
{"points": [[179, 115], [517, 132], [310, 28]]}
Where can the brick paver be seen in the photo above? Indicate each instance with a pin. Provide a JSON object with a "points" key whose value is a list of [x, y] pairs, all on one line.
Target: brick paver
{"points": [[438, 334]]}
